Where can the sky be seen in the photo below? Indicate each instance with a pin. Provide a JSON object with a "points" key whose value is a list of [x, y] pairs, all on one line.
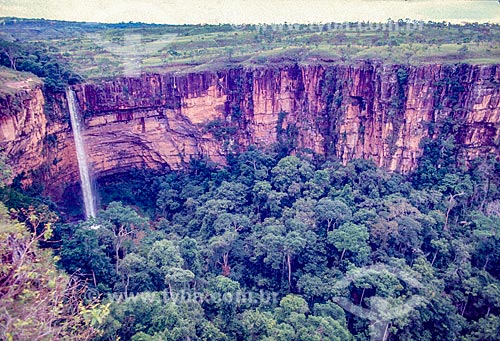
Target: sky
{"points": [[253, 11]]}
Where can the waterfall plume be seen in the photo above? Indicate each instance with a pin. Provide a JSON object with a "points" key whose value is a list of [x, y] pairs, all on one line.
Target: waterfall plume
{"points": [[85, 179]]}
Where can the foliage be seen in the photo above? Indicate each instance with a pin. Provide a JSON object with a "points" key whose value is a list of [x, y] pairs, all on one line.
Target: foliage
{"points": [[36, 58], [36, 300], [97, 50], [261, 248]]}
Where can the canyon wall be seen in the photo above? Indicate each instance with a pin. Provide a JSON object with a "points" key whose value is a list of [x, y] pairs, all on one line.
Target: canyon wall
{"points": [[367, 110], [35, 136]]}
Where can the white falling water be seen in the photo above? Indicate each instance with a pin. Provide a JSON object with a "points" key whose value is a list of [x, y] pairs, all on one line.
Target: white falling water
{"points": [[86, 183]]}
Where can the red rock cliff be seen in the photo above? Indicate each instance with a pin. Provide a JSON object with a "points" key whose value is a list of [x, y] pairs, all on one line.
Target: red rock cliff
{"points": [[372, 111]]}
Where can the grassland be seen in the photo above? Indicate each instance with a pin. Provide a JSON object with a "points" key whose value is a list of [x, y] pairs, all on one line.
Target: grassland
{"points": [[104, 50], [12, 81]]}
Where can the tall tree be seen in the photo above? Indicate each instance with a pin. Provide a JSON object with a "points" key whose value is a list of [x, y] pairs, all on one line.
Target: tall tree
{"points": [[124, 223], [12, 51], [353, 238], [333, 212]]}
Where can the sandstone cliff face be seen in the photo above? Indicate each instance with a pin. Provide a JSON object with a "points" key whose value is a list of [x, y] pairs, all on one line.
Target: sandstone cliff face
{"points": [[23, 129], [38, 143], [372, 111]]}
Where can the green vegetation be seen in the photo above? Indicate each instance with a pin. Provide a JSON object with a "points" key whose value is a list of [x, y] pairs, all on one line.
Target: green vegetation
{"points": [[11, 81], [38, 301], [271, 246], [259, 249], [104, 50], [36, 59]]}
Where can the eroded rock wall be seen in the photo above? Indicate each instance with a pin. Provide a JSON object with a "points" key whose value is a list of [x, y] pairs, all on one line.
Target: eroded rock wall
{"points": [[367, 110]]}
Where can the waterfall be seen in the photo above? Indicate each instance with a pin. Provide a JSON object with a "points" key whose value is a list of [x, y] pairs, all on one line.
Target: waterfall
{"points": [[86, 183]]}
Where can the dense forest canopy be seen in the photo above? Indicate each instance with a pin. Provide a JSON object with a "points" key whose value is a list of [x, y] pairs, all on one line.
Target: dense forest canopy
{"points": [[288, 248], [276, 244]]}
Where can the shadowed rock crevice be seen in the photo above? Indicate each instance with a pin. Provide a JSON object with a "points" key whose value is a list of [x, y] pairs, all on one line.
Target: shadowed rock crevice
{"points": [[366, 110]]}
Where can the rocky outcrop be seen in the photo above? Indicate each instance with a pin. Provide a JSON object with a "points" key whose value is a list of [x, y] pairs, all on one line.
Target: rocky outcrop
{"points": [[35, 136], [367, 110], [23, 129]]}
